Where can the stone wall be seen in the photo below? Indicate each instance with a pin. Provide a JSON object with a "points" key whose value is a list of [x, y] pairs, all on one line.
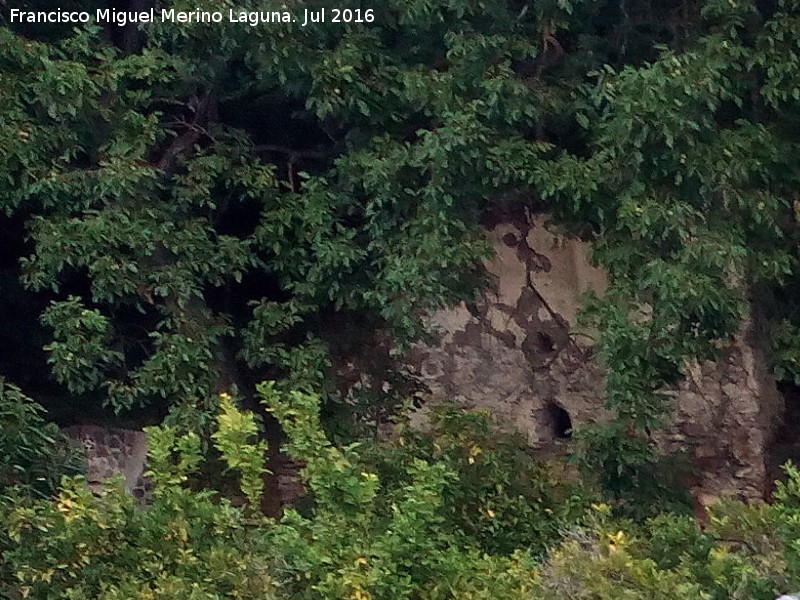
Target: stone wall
{"points": [[726, 415], [519, 354], [111, 452]]}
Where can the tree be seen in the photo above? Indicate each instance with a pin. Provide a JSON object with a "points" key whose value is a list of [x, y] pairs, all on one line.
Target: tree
{"points": [[210, 205], [689, 195], [213, 205]]}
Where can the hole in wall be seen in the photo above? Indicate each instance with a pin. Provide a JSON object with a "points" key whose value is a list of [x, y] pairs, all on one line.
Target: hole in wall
{"points": [[545, 343], [560, 421], [510, 240]]}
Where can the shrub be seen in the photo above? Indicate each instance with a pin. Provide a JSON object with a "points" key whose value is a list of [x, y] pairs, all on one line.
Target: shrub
{"points": [[408, 520], [33, 453], [500, 498]]}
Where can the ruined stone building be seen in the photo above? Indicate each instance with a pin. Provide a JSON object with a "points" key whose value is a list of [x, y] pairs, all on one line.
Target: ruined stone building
{"points": [[519, 354]]}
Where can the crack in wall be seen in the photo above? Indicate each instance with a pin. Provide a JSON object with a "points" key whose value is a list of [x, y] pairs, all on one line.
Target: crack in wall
{"points": [[517, 353]]}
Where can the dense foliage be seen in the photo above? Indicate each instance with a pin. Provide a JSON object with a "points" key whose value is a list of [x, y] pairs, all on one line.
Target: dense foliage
{"points": [[691, 192], [34, 454], [367, 536], [203, 203], [190, 210]]}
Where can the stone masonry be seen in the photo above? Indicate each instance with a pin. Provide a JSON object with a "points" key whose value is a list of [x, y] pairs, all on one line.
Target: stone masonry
{"points": [[519, 354]]}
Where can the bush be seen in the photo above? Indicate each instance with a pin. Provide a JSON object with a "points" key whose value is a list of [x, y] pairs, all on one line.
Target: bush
{"points": [[34, 454], [408, 520], [361, 539], [746, 552], [500, 498]]}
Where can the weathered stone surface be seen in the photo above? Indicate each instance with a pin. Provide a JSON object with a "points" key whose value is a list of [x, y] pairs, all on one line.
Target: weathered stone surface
{"points": [[289, 481], [516, 353], [111, 452], [725, 416], [519, 354]]}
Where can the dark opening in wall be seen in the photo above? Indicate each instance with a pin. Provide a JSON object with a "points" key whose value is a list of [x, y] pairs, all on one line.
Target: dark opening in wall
{"points": [[785, 445], [560, 421], [545, 343]]}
